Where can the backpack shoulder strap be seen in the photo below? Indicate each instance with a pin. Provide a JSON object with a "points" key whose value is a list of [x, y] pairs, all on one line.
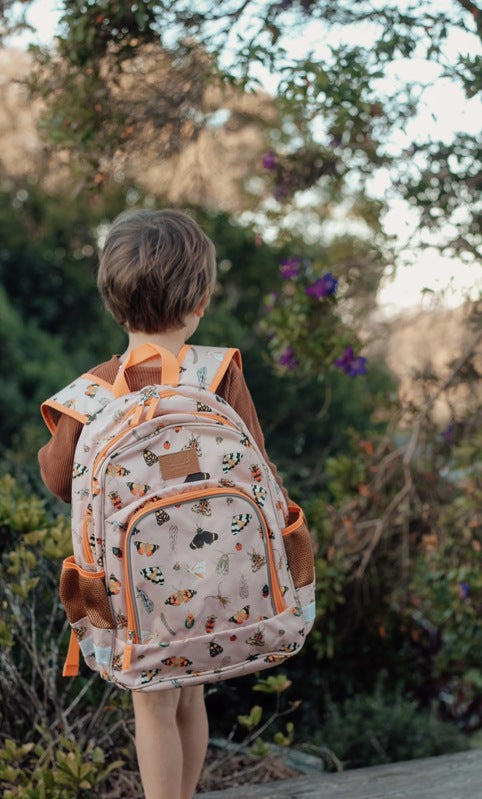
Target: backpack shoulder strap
{"points": [[205, 367], [82, 399]]}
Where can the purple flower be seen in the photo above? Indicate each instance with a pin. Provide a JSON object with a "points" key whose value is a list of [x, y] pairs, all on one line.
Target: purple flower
{"points": [[289, 359], [322, 287], [352, 364], [290, 267], [464, 589], [269, 160]]}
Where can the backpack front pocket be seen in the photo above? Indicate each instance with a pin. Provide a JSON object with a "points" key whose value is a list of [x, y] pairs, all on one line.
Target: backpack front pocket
{"points": [[198, 563]]}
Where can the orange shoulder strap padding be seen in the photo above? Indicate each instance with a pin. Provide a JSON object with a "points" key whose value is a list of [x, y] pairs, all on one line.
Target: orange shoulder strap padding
{"points": [[232, 354], [72, 660], [82, 399], [169, 365]]}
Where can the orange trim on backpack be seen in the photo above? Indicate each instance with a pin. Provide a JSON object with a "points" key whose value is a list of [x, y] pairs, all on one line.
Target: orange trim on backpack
{"points": [[72, 660], [98, 380], [51, 405], [232, 354]]}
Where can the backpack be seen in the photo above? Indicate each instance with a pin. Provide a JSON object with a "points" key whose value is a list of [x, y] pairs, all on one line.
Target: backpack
{"points": [[188, 566]]}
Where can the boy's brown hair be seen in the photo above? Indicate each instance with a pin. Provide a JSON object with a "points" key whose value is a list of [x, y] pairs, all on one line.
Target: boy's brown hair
{"points": [[155, 268]]}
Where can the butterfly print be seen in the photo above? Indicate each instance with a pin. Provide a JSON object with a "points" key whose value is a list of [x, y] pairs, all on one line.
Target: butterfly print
{"points": [[177, 662], [154, 574], [148, 676], [240, 616], [203, 408], [78, 470], [180, 597], [146, 549], [138, 489], [117, 552], [203, 537], [113, 586], [116, 470]]}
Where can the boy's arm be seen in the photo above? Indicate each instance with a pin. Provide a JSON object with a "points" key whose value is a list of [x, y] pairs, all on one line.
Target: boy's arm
{"points": [[234, 390], [56, 458]]}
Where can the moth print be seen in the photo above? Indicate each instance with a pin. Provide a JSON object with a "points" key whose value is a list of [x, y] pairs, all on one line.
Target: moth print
{"points": [[203, 507], [153, 574], [239, 522], [257, 560], [150, 457], [222, 566], [257, 639], [78, 470], [259, 494], [199, 569], [215, 649], [193, 443], [162, 516], [230, 460]]}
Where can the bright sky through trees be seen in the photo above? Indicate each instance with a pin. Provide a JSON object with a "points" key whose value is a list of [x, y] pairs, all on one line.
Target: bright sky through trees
{"points": [[444, 109]]}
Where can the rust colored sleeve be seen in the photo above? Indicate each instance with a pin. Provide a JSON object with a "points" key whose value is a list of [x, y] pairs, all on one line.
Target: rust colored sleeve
{"points": [[56, 458], [234, 390]]}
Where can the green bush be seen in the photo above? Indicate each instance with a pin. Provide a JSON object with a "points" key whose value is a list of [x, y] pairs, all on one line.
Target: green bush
{"points": [[382, 727]]}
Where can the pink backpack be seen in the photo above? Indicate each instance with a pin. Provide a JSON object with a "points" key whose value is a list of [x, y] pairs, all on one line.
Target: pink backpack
{"points": [[188, 567]]}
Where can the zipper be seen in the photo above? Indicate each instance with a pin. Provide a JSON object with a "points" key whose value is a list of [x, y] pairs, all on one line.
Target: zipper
{"points": [[181, 499]]}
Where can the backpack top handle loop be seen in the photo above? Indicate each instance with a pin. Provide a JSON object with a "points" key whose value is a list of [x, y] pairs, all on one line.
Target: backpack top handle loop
{"points": [[170, 367]]}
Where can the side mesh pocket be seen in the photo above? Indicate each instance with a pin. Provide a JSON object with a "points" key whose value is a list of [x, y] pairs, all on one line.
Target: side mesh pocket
{"points": [[299, 549], [83, 594]]}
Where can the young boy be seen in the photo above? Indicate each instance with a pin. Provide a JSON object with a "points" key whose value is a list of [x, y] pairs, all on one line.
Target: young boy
{"points": [[156, 276]]}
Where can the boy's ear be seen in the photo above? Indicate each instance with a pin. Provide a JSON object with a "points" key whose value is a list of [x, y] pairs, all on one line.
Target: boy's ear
{"points": [[201, 308]]}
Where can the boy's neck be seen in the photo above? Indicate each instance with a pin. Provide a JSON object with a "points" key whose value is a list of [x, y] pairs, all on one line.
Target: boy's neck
{"points": [[172, 340]]}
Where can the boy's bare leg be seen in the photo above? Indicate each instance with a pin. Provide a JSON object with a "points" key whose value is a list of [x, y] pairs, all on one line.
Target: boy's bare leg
{"points": [[192, 724], [158, 743]]}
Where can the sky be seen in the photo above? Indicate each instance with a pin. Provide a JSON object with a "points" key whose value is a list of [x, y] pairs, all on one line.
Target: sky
{"points": [[449, 281]]}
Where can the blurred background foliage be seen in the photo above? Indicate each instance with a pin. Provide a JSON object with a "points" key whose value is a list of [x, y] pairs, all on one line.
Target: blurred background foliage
{"points": [[155, 104]]}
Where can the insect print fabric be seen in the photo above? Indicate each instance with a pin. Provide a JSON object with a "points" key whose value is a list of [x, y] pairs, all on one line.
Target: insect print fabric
{"points": [[180, 535]]}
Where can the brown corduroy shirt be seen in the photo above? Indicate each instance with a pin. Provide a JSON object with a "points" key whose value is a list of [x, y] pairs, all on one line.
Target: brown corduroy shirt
{"points": [[56, 458]]}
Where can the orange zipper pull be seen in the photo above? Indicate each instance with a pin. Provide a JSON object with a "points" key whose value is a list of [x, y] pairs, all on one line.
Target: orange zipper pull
{"points": [[126, 660]]}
